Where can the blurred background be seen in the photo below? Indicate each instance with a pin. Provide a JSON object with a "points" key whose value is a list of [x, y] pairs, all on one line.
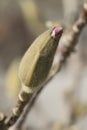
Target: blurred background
{"points": [[63, 102]]}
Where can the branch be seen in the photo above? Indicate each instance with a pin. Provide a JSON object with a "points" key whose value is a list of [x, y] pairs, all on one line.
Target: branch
{"points": [[69, 40], [27, 109], [66, 46]]}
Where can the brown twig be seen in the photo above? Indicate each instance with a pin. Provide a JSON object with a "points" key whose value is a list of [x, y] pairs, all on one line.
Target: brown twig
{"points": [[69, 40], [66, 46], [22, 119]]}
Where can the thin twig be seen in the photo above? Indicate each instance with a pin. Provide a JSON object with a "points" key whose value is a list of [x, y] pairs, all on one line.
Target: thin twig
{"points": [[27, 109], [66, 46]]}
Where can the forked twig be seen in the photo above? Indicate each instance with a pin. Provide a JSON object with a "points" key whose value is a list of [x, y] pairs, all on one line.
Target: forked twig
{"points": [[66, 46]]}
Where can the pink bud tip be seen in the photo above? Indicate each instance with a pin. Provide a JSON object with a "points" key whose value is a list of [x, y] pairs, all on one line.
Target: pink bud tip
{"points": [[56, 31]]}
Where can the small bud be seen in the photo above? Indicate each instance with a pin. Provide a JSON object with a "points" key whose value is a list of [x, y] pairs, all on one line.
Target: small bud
{"points": [[56, 32]]}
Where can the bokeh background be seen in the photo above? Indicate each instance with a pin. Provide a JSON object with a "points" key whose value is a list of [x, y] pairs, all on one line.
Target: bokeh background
{"points": [[63, 102]]}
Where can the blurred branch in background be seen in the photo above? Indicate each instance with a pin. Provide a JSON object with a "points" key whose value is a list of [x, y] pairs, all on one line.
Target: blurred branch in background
{"points": [[32, 17], [13, 84], [14, 34]]}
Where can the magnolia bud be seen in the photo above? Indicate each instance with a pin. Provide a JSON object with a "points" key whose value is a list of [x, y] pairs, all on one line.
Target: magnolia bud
{"points": [[36, 63]]}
